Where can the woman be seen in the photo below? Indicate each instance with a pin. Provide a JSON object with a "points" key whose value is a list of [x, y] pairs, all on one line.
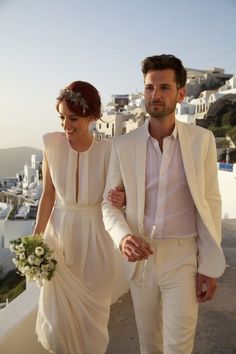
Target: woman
{"points": [[74, 305]]}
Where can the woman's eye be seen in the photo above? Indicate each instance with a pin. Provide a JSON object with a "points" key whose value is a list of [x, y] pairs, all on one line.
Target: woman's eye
{"points": [[61, 117]]}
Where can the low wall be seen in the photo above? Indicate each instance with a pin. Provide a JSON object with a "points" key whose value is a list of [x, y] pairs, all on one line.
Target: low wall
{"points": [[227, 184], [17, 323]]}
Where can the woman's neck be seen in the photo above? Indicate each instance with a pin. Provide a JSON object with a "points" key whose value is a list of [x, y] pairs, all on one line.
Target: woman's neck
{"points": [[83, 144]]}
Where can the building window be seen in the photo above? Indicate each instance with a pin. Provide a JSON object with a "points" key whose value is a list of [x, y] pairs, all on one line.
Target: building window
{"points": [[107, 125]]}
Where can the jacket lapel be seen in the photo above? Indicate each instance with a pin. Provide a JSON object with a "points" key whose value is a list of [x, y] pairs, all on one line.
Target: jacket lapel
{"points": [[141, 148], [188, 161]]}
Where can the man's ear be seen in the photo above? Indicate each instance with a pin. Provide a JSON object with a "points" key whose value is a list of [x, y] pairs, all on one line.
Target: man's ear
{"points": [[181, 94]]}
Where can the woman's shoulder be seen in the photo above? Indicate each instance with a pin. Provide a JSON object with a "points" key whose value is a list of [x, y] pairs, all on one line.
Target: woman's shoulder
{"points": [[103, 143], [53, 137], [102, 146]]}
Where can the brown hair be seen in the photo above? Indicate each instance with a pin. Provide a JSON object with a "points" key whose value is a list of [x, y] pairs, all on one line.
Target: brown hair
{"points": [[89, 93], [166, 61]]}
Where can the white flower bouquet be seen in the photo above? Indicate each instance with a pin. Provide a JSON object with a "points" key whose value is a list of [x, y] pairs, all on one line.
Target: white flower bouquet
{"points": [[33, 258]]}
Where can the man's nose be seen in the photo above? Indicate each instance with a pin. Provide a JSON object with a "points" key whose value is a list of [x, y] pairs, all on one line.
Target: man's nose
{"points": [[156, 93]]}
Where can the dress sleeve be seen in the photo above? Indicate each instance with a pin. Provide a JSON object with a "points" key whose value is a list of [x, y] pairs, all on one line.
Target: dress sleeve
{"points": [[50, 141]]}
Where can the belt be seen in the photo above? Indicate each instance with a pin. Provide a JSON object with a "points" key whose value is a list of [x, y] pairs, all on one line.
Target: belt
{"points": [[80, 208], [168, 242]]}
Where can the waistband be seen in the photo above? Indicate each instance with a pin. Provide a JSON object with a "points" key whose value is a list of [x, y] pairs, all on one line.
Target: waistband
{"points": [[79, 208], [170, 242]]}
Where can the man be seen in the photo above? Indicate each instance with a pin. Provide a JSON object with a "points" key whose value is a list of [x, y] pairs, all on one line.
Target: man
{"points": [[171, 232]]}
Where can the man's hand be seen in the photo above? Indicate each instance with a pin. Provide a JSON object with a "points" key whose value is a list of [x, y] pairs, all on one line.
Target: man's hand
{"points": [[117, 197], [206, 287], [134, 248]]}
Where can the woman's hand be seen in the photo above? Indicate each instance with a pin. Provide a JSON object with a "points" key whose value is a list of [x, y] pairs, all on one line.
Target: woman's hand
{"points": [[117, 197], [134, 248]]}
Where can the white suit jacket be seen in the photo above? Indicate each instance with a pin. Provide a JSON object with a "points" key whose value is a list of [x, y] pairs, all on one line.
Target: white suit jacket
{"points": [[127, 167]]}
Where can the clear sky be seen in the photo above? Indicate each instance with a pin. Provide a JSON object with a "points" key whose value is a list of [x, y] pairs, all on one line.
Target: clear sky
{"points": [[46, 44]]}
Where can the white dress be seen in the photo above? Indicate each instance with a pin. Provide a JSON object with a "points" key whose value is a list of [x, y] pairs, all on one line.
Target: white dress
{"points": [[74, 305]]}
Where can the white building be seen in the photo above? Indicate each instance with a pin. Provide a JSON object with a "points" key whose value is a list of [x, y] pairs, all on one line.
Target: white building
{"points": [[229, 87], [199, 80], [12, 229], [185, 112], [6, 264], [4, 210]]}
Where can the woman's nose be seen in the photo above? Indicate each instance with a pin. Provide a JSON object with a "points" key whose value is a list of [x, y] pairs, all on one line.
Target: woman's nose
{"points": [[66, 123]]}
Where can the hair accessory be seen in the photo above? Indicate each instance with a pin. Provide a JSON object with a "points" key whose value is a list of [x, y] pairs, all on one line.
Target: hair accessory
{"points": [[73, 97]]}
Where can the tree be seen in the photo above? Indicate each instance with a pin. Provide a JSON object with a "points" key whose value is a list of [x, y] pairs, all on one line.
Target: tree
{"points": [[232, 134], [218, 131], [229, 118]]}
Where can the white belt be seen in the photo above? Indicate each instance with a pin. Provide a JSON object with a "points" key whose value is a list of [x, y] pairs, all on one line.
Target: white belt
{"points": [[80, 208]]}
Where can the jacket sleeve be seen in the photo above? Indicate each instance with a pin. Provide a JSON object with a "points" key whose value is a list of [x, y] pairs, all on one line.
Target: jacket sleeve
{"points": [[113, 218], [212, 192], [211, 260]]}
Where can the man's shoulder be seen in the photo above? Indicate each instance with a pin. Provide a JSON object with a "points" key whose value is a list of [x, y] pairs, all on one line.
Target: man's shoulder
{"points": [[132, 135], [194, 129]]}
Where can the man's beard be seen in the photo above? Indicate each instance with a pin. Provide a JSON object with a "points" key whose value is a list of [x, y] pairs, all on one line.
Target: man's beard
{"points": [[163, 112]]}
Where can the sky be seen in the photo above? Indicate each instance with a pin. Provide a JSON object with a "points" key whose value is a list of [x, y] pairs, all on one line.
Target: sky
{"points": [[47, 44]]}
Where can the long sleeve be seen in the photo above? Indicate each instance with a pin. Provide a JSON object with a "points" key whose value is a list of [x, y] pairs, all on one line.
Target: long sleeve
{"points": [[113, 218]]}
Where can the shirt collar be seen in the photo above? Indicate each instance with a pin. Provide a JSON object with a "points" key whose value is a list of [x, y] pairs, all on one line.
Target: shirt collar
{"points": [[174, 133]]}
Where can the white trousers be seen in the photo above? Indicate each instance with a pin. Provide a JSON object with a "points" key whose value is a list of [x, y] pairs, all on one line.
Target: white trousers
{"points": [[164, 296]]}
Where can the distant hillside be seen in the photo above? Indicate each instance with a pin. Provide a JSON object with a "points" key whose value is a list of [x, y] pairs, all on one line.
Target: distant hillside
{"points": [[12, 160]]}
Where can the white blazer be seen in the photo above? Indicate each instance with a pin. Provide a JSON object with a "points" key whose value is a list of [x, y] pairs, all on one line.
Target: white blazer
{"points": [[127, 167]]}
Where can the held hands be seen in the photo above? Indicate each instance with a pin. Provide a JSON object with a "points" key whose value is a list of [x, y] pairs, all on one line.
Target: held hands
{"points": [[117, 197], [134, 248], [206, 287]]}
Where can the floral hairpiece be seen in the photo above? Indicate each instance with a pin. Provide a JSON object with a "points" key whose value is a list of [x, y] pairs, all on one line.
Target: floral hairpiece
{"points": [[73, 97]]}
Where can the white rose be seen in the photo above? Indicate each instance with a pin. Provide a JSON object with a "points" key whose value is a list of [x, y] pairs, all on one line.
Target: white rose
{"points": [[31, 259], [12, 248], [26, 269], [38, 261], [21, 248], [22, 256], [39, 251]]}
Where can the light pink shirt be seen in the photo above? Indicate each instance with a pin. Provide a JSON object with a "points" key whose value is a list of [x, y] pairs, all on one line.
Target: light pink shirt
{"points": [[168, 201]]}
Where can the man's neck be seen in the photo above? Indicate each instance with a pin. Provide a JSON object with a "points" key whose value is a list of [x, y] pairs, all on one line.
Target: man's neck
{"points": [[161, 128]]}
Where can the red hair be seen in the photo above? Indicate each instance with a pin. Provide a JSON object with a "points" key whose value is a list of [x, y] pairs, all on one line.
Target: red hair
{"points": [[91, 96]]}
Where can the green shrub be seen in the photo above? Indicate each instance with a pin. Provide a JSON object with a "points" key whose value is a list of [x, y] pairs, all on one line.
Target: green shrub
{"points": [[232, 133], [218, 131], [224, 143], [11, 286], [229, 119]]}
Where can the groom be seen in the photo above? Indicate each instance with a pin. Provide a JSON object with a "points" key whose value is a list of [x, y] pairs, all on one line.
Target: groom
{"points": [[170, 234]]}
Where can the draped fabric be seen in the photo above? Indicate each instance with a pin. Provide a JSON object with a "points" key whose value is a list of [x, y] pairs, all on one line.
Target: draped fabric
{"points": [[74, 305]]}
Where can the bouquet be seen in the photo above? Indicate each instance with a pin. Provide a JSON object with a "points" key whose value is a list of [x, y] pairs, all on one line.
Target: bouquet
{"points": [[33, 258]]}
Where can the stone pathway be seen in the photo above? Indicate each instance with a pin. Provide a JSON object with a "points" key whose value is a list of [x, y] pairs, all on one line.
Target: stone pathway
{"points": [[216, 330]]}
